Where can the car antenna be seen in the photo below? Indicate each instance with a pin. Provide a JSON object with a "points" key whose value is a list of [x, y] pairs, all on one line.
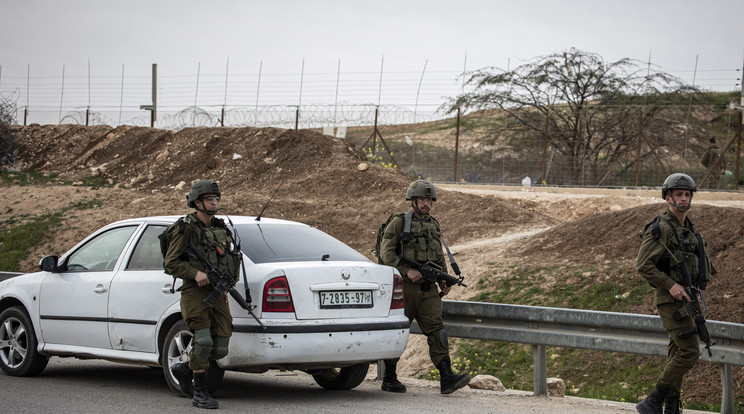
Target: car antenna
{"points": [[258, 218]]}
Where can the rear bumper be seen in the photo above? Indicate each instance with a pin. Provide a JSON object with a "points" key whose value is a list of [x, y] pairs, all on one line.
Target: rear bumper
{"points": [[314, 346]]}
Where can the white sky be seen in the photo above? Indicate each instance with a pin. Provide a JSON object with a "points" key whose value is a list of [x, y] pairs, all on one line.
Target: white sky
{"points": [[279, 35], [282, 33]]}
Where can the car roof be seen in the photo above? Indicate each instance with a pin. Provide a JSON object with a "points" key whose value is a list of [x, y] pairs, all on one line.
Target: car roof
{"points": [[234, 219]]}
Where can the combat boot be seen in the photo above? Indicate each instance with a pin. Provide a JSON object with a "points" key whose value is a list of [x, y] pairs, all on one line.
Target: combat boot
{"points": [[450, 382], [672, 404], [184, 375], [390, 379], [653, 403], [202, 399]]}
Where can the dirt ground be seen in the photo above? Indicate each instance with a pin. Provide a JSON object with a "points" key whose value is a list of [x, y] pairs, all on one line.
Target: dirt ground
{"points": [[327, 183]]}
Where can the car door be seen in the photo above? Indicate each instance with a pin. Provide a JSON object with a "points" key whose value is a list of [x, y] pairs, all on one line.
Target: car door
{"points": [[73, 304], [139, 294]]}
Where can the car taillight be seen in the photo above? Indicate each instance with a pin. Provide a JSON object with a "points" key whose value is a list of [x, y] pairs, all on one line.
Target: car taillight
{"points": [[276, 296], [399, 300]]}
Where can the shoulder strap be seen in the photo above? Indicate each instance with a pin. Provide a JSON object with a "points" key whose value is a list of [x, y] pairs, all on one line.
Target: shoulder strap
{"points": [[453, 263]]}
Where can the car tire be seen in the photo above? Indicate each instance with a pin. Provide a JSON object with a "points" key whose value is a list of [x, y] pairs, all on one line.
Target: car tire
{"points": [[343, 378], [19, 355], [176, 349]]}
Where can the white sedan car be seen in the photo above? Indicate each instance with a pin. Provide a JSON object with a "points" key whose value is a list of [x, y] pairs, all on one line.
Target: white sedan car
{"points": [[325, 308]]}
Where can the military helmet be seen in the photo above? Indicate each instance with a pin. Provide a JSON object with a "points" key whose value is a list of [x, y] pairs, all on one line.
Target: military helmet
{"points": [[201, 188], [678, 181], [421, 188]]}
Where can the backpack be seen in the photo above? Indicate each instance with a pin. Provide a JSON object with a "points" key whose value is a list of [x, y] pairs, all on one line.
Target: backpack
{"points": [[167, 235], [381, 231]]}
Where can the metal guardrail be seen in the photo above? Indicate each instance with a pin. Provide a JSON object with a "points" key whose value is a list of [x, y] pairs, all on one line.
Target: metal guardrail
{"points": [[600, 331]]}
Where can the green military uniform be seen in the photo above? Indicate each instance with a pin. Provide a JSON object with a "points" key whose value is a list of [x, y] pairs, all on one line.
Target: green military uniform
{"points": [[658, 265], [422, 300], [217, 245]]}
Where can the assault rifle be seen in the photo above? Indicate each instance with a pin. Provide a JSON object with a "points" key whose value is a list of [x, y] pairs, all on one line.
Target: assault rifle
{"points": [[694, 308], [431, 272], [222, 283]]}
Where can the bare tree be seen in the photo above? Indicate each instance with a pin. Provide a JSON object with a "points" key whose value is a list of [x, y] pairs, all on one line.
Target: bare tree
{"points": [[592, 106]]}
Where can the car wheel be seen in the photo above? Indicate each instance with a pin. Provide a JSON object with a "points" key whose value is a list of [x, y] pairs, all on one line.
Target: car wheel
{"points": [[342, 379], [18, 354], [176, 349]]}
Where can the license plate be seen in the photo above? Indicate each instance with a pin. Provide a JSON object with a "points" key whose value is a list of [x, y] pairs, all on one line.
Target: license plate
{"points": [[346, 299]]}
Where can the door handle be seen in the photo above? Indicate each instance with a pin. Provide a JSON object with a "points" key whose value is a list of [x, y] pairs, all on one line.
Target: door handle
{"points": [[100, 289], [166, 289]]}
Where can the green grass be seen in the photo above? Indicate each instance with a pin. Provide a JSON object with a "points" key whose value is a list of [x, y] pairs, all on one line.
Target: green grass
{"points": [[20, 234], [23, 178], [16, 242]]}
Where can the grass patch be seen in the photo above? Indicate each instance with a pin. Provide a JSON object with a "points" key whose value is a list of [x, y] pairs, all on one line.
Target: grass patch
{"points": [[23, 178], [20, 234], [16, 242]]}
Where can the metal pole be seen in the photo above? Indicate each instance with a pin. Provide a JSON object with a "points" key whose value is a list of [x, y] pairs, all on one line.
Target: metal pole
{"points": [[335, 102], [88, 109], [545, 148], [457, 145], [121, 95], [727, 387], [540, 361], [258, 89], [638, 149], [224, 104], [738, 152], [379, 90], [418, 91], [196, 92], [299, 103], [153, 117], [61, 95]]}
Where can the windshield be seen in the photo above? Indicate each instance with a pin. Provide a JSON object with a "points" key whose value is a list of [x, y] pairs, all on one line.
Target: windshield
{"points": [[266, 243]]}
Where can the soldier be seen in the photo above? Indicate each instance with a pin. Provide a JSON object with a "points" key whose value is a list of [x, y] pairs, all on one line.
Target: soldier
{"points": [[422, 300], [211, 325], [668, 241], [710, 157]]}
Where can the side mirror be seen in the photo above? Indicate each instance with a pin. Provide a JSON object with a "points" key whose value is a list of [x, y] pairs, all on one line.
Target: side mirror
{"points": [[48, 263]]}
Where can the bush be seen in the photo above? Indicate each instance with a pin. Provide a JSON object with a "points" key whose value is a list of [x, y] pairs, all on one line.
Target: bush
{"points": [[7, 133]]}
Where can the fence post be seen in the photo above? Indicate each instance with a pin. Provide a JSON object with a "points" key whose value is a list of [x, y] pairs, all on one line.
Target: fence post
{"points": [[540, 361], [727, 387], [457, 145]]}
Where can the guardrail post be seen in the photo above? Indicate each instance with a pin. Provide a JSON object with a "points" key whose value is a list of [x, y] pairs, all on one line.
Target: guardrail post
{"points": [[727, 387], [540, 360]]}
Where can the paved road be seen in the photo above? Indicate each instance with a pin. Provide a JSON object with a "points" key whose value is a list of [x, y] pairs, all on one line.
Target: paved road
{"points": [[76, 386]]}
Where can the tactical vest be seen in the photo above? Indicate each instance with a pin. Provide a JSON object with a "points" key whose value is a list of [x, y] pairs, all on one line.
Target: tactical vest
{"points": [[425, 241], [216, 244], [687, 246]]}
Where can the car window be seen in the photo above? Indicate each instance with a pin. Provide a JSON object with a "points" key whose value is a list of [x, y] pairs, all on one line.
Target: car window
{"points": [[291, 243], [146, 255], [101, 252]]}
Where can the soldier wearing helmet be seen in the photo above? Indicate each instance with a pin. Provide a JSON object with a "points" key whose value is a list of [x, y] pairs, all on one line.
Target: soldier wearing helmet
{"points": [[211, 325], [669, 240], [422, 242]]}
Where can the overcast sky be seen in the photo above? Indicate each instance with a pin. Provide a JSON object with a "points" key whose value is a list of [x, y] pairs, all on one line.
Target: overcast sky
{"points": [[282, 33], [696, 40]]}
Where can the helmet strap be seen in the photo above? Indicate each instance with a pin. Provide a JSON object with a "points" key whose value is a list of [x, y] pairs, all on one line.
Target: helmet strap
{"points": [[204, 210], [678, 207]]}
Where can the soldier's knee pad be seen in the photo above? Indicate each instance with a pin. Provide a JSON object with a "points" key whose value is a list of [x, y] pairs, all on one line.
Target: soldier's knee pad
{"points": [[203, 344], [220, 347]]}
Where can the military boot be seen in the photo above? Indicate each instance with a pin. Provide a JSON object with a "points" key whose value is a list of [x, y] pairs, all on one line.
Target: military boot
{"points": [[202, 399], [653, 403], [450, 382], [183, 374], [672, 404], [390, 379]]}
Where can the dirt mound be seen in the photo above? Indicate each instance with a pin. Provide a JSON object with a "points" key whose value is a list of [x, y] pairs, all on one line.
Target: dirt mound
{"points": [[614, 237], [322, 184]]}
